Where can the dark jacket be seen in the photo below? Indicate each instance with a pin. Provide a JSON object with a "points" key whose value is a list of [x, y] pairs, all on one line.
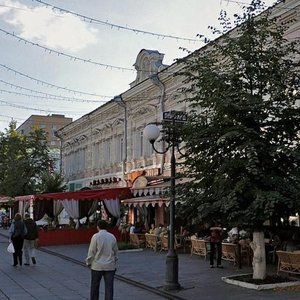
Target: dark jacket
{"points": [[17, 230], [32, 229]]}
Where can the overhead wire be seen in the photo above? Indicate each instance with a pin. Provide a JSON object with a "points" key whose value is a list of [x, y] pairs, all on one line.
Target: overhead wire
{"points": [[48, 95], [35, 109], [112, 25], [51, 85], [72, 57]]}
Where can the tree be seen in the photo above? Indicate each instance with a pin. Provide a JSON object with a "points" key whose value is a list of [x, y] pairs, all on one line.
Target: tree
{"points": [[23, 160], [242, 138], [52, 183]]}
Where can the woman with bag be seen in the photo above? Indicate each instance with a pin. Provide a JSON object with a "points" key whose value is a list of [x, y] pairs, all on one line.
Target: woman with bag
{"points": [[17, 232]]}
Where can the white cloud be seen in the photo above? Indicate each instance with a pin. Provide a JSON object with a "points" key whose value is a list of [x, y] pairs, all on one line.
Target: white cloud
{"points": [[55, 30]]}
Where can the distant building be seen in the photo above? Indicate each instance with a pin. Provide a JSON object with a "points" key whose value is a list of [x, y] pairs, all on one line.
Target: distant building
{"points": [[50, 124]]}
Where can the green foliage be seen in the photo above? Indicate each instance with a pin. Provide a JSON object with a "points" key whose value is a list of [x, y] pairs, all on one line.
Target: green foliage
{"points": [[23, 160], [52, 183], [242, 138]]}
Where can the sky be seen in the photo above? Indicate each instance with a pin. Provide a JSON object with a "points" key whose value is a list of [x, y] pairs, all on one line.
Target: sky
{"points": [[71, 56]]}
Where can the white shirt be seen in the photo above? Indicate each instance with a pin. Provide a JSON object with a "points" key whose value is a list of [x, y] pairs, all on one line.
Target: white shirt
{"points": [[131, 230], [233, 231], [103, 251]]}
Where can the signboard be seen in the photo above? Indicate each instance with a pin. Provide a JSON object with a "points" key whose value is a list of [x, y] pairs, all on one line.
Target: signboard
{"points": [[176, 115]]}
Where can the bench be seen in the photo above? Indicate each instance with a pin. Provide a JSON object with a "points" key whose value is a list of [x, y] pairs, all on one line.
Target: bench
{"points": [[199, 247], [230, 252], [152, 241], [164, 243], [137, 240], [288, 262]]}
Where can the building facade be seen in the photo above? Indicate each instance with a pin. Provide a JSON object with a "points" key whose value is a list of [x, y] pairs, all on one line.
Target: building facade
{"points": [[50, 124], [106, 148]]}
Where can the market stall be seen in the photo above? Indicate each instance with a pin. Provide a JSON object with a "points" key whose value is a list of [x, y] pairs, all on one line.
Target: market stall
{"points": [[78, 205]]}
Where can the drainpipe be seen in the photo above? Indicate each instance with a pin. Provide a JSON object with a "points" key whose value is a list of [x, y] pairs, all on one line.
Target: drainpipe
{"points": [[156, 81], [60, 151], [119, 100]]}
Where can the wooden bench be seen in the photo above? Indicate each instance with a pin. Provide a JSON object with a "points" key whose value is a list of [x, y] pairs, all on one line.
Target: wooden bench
{"points": [[199, 247], [230, 252], [288, 262], [164, 243], [152, 241], [137, 240]]}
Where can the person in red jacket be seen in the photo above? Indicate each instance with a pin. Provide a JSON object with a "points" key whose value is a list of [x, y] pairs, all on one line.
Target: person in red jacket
{"points": [[215, 240]]}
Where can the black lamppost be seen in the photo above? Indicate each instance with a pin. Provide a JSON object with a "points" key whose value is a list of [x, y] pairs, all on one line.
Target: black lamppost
{"points": [[152, 132]]}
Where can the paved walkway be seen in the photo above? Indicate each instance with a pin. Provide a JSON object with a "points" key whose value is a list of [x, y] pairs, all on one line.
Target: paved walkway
{"points": [[56, 278]]}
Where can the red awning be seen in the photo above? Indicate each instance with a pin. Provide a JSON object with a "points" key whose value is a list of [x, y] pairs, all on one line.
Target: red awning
{"points": [[114, 193], [4, 199]]}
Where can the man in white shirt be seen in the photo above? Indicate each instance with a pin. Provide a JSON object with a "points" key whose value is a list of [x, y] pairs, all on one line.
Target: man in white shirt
{"points": [[102, 259]]}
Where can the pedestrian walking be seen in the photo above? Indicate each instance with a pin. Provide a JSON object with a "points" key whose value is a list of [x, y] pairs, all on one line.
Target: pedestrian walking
{"points": [[5, 222], [215, 240], [17, 232], [30, 240], [102, 258]]}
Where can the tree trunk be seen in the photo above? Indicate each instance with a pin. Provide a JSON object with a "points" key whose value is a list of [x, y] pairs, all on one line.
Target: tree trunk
{"points": [[259, 255]]}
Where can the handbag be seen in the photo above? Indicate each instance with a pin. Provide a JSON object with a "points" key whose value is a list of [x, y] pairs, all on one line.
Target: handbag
{"points": [[11, 248]]}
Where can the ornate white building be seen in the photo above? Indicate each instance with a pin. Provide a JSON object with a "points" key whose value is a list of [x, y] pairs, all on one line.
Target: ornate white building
{"points": [[106, 147]]}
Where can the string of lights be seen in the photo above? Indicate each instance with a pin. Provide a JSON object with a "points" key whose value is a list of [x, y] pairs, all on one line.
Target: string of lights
{"points": [[274, 3], [247, 3], [47, 95], [35, 109], [135, 98], [235, 1], [51, 85], [72, 57], [74, 113], [62, 98], [115, 26]]}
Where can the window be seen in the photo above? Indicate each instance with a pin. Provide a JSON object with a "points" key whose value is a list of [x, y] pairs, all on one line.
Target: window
{"points": [[54, 129], [141, 144], [120, 149], [107, 152]]}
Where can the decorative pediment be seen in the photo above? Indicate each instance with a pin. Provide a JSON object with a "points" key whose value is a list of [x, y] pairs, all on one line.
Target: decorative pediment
{"points": [[147, 62]]}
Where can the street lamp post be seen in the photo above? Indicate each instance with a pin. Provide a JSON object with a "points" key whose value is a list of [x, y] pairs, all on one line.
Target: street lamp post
{"points": [[152, 132]]}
